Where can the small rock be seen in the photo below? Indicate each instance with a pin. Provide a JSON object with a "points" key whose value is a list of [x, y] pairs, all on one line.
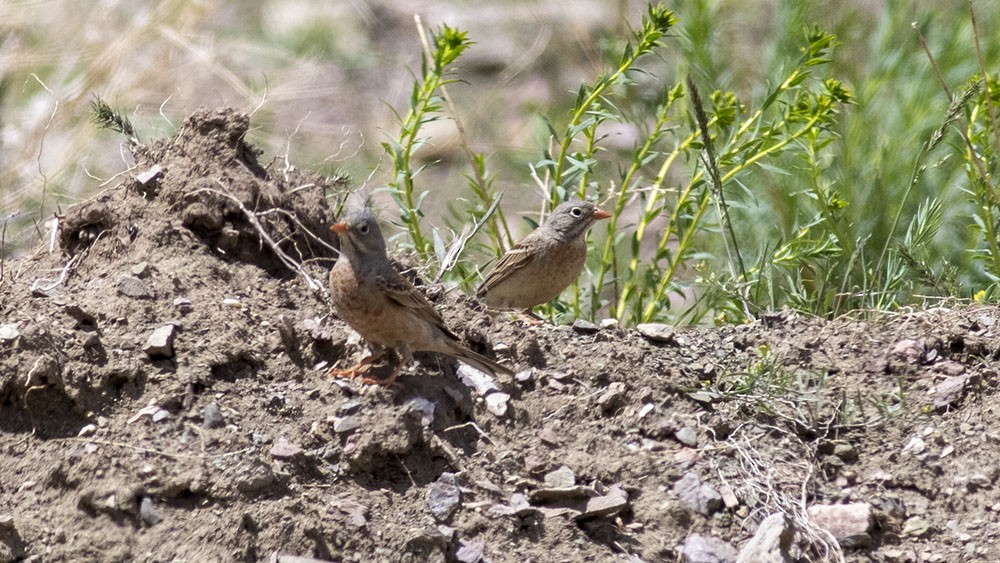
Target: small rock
{"points": [[523, 376], [284, 449], [344, 424], [496, 403], [475, 379], [87, 430], [687, 436], [444, 496], [140, 270], [349, 407], [916, 527], [518, 506], [949, 391], [911, 351], [608, 504], [161, 415], [656, 332], [560, 478], [211, 416], [561, 495], [611, 398], [160, 343], [131, 286], [915, 446], [848, 523], [771, 543], [425, 407], [729, 497], [550, 436], [6, 522], [534, 464], [149, 513], [585, 327], [471, 551], [232, 302], [150, 174], [845, 452], [608, 324], [700, 497], [9, 332], [703, 549], [183, 303], [357, 511]]}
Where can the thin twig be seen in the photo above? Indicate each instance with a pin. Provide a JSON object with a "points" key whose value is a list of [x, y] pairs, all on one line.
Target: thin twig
{"points": [[287, 260]]}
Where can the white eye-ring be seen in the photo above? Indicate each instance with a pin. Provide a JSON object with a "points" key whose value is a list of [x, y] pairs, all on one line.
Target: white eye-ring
{"points": [[576, 212], [363, 229]]}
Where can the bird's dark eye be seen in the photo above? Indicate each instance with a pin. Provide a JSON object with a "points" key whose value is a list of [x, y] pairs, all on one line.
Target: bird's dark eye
{"points": [[363, 229], [576, 212]]}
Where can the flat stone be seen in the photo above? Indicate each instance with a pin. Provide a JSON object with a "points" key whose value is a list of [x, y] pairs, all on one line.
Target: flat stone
{"points": [[131, 286], [657, 332], [149, 513], [561, 494], [160, 343], [703, 549], [771, 543], [687, 436], [344, 424], [612, 397], [949, 391], [585, 327], [846, 452], [609, 323], [283, 449], [9, 332], [150, 174], [444, 496], [917, 527], [496, 403], [470, 551], [560, 478], [608, 504], [211, 416], [848, 523], [140, 270], [475, 379], [700, 497]]}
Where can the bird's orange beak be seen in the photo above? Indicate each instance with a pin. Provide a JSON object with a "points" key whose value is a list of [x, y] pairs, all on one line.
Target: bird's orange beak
{"points": [[601, 214], [340, 228]]}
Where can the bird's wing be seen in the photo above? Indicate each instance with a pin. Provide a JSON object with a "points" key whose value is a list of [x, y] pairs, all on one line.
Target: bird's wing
{"points": [[516, 258], [401, 292]]}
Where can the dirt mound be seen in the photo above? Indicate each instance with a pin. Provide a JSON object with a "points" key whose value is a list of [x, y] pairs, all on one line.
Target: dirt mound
{"points": [[163, 398]]}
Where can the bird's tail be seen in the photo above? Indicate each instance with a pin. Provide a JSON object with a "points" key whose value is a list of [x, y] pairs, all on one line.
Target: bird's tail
{"points": [[481, 362]]}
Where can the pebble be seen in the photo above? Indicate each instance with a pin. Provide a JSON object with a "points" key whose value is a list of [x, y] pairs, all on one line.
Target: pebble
{"points": [[343, 424], [613, 502], [444, 496], [612, 397], [703, 549], [560, 478], [160, 343], [585, 327], [425, 407], [131, 286], [140, 270], [284, 449], [149, 513], [496, 403], [87, 430], [657, 332], [470, 551], [161, 415], [212, 416], [916, 527], [845, 452], [349, 407], [687, 436], [149, 175], [700, 497], [232, 303], [9, 332], [848, 523], [608, 324]]}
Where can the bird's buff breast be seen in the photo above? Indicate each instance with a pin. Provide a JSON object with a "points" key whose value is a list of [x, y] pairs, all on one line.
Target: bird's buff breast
{"points": [[380, 321]]}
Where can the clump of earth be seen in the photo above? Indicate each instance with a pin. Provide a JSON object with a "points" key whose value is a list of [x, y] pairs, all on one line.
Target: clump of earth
{"points": [[164, 397]]}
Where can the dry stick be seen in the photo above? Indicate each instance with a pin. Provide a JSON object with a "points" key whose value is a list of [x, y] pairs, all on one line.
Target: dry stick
{"points": [[287, 260], [713, 171], [41, 148], [157, 452]]}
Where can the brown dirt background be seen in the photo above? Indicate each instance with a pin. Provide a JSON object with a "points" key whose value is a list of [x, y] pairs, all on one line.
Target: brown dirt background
{"points": [[107, 454]]}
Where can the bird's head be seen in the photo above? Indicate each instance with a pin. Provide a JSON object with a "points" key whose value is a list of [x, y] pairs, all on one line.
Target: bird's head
{"points": [[359, 233]]}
